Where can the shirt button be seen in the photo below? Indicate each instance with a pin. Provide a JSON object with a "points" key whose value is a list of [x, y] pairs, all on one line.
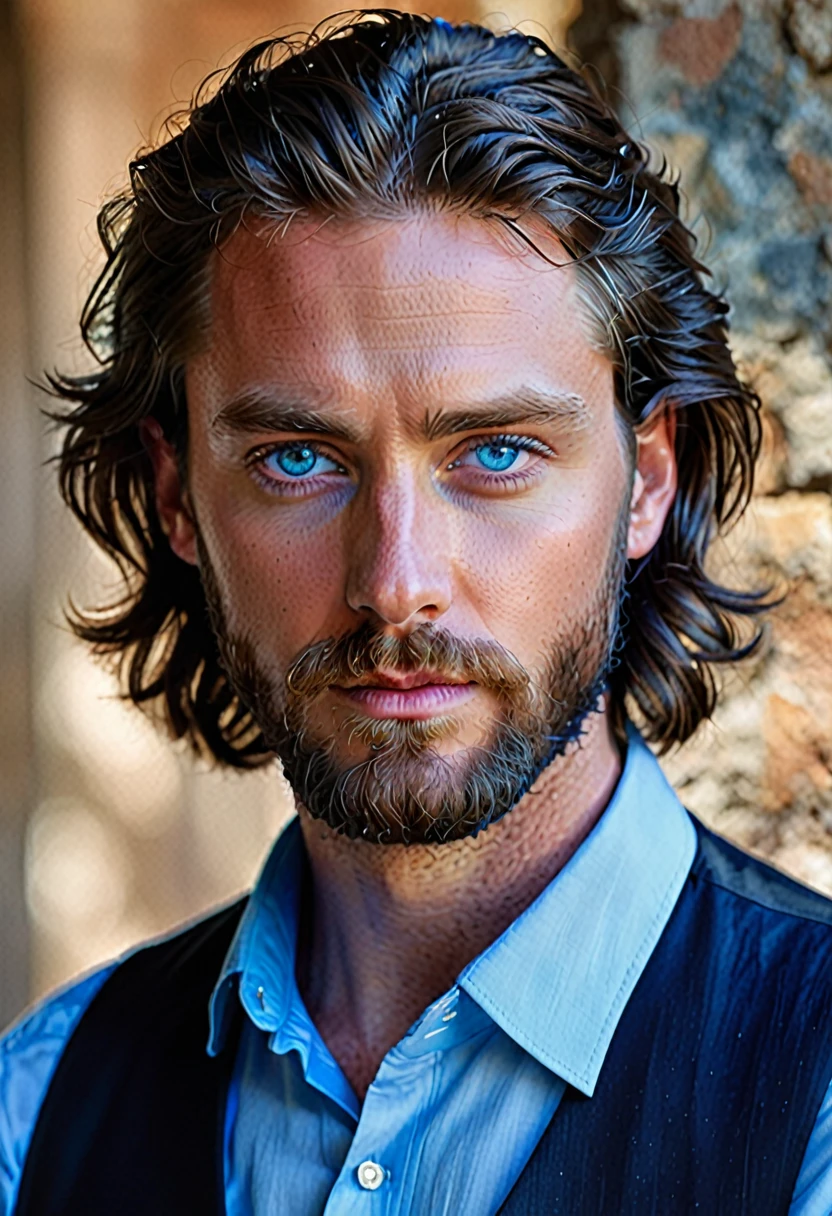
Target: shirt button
{"points": [[370, 1175]]}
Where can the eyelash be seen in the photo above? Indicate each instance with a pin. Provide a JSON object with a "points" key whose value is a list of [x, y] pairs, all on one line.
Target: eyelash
{"points": [[289, 487], [522, 442]]}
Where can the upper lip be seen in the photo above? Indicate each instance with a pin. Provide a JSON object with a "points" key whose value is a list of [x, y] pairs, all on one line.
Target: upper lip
{"points": [[413, 679]]}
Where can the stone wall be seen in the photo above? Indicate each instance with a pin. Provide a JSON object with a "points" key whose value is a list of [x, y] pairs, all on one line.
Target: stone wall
{"points": [[738, 97]]}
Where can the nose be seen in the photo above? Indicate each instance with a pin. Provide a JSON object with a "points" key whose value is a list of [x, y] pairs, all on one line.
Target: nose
{"points": [[399, 559]]}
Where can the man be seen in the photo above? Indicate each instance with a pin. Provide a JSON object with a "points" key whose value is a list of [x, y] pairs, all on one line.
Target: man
{"points": [[412, 425]]}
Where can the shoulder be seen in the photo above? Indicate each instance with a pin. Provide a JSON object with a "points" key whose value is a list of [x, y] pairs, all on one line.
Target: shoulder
{"points": [[29, 1052], [756, 884], [183, 962]]}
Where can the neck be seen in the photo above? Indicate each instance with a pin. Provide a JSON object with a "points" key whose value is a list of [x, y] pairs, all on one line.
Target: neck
{"points": [[387, 928]]}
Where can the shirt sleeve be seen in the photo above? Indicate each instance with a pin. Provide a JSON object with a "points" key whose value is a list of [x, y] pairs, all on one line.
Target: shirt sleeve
{"points": [[29, 1052], [813, 1192]]}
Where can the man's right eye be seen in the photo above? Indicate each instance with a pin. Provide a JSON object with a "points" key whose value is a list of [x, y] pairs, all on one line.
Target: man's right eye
{"points": [[294, 463], [298, 460]]}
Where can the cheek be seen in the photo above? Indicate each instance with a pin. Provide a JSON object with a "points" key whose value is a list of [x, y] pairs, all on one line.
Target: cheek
{"points": [[536, 577], [278, 580]]}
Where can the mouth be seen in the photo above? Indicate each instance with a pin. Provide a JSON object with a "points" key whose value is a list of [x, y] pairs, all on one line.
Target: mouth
{"points": [[420, 694]]}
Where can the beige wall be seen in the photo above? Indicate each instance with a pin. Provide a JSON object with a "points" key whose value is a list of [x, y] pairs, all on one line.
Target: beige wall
{"points": [[18, 455]]}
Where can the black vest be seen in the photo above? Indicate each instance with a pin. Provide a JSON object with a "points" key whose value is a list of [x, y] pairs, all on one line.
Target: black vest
{"points": [[705, 1102]]}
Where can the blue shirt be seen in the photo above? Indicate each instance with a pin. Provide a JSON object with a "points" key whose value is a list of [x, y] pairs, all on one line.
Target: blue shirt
{"points": [[458, 1105]]}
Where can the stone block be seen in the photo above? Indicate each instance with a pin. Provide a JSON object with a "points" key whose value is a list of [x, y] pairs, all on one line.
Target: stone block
{"points": [[809, 24]]}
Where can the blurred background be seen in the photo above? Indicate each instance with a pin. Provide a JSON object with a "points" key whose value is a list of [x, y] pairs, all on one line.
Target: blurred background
{"points": [[107, 834]]}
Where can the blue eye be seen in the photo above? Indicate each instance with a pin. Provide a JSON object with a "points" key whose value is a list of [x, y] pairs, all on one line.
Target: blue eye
{"points": [[295, 461], [501, 454], [497, 457], [298, 459]]}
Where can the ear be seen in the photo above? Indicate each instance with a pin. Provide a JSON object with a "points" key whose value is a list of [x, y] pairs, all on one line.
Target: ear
{"points": [[172, 504], [654, 483]]}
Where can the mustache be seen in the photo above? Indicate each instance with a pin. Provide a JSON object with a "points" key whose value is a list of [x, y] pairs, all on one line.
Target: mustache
{"points": [[362, 653]]}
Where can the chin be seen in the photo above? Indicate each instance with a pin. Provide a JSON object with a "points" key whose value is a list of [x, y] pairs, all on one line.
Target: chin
{"points": [[393, 795]]}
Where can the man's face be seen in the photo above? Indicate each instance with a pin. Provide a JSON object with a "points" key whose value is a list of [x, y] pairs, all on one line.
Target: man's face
{"points": [[405, 469]]}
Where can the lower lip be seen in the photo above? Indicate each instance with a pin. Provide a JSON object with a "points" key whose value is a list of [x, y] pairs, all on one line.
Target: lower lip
{"points": [[426, 701]]}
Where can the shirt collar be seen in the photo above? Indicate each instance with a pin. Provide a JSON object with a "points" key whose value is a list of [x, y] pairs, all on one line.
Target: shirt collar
{"points": [[260, 966], [602, 914], [559, 978], [263, 949]]}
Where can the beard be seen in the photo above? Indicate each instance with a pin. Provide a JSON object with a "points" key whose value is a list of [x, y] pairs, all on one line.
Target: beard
{"points": [[404, 791]]}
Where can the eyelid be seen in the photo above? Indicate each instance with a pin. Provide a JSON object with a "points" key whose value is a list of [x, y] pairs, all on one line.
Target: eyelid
{"points": [[288, 486], [264, 450], [527, 443], [277, 445]]}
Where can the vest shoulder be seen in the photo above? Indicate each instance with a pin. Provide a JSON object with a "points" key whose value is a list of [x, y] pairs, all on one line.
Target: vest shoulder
{"points": [[730, 868], [29, 1054], [119, 1076], [180, 968], [190, 939]]}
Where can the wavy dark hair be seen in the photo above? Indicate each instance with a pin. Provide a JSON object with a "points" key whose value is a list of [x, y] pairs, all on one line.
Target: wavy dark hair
{"points": [[374, 114]]}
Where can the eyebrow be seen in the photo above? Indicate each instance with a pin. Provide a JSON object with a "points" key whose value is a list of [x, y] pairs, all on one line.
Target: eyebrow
{"points": [[257, 410], [260, 410], [524, 405]]}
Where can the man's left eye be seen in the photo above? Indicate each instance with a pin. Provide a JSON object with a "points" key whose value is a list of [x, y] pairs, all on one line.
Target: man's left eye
{"points": [[495, 456]]}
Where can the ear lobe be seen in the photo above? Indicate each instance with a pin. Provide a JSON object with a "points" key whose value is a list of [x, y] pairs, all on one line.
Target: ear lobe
{"points": [[171, 498], [654, 483]]}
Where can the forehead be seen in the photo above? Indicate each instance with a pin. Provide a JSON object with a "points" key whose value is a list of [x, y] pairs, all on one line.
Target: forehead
{"points": [[438, 305]]}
